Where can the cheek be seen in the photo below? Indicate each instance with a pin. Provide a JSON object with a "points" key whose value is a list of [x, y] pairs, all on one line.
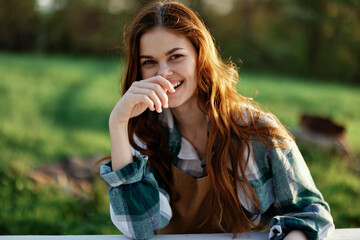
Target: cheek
{"points": [[188, 69]]}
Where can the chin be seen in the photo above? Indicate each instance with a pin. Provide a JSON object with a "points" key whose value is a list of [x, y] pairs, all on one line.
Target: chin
{"points": [[173, 105]]}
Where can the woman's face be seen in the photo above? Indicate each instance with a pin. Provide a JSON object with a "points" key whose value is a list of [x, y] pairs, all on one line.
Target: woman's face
{"points": [[171, 55]]}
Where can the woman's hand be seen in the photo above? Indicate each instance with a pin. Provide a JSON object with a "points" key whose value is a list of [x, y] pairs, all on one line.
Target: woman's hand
{"points": [[296, 235], [149, 93]]}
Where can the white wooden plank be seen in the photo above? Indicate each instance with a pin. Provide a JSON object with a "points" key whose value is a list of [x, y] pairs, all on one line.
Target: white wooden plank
{"points": [[339, 234]]}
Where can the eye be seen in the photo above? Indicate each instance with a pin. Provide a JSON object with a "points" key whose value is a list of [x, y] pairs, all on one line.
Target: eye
{"points": [[176, 56], [148, 62]]}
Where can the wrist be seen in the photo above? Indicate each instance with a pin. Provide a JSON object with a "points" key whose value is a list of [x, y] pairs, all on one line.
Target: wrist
{"points": [[116, 123]]}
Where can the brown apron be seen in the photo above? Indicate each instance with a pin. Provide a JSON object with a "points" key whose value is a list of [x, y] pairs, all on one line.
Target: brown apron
{"points": [[191, 207]]}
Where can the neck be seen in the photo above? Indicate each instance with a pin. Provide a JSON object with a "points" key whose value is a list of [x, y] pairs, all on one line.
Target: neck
{"points": [[190, 119], [192, 125]]}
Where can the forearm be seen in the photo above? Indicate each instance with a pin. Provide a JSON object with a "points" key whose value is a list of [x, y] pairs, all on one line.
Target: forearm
{"points": [[138, 205], [120, 146]]}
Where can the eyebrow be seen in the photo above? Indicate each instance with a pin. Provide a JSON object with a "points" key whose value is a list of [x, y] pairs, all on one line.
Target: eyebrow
{"points": [[166, 54], [173, 50]]}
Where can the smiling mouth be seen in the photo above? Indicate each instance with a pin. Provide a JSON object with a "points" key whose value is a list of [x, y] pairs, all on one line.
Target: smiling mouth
{"points": [[177, 84]]}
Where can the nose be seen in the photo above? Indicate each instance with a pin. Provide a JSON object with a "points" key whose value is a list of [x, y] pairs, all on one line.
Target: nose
{"points": [[164, 70]]}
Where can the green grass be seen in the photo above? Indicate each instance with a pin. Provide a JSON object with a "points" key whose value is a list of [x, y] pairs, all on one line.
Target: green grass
{"points": [[52, 107], [289, 97], [55, 101]]}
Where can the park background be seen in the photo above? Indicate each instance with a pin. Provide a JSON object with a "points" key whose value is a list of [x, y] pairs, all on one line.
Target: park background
{"points": [[60, 62]]}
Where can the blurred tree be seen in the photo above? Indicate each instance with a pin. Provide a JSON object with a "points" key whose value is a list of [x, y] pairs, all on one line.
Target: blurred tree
{"points": [[83, 26], [17, 22], [315, 38], [328, 29]]}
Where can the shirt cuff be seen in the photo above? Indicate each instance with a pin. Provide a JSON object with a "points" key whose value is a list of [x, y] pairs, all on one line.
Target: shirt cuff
{"points": [[276, 232], [131, 173], [282, 225]]}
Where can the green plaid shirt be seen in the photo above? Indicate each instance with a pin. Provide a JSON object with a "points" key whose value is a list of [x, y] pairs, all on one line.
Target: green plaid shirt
{"points": [[288, 196]]}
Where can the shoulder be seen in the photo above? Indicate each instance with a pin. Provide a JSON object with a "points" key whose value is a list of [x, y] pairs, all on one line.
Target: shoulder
{"points": [[266, 133], [252, 115]]}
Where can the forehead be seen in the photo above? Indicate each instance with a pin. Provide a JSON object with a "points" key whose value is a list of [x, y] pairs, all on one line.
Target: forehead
{"points": [[160, 40]]}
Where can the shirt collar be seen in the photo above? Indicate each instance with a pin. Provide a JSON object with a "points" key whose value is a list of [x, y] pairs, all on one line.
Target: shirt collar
{"points": [[166, 120], [178, 146]]}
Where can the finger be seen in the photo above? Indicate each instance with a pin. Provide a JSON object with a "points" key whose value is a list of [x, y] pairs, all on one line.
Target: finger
{"points": [[141, 98], [157, 88], [150, 89], [166, 84], [153, 95]]}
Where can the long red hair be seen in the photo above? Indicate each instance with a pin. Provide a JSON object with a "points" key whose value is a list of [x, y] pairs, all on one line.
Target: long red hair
{"points": [[230, 126]]}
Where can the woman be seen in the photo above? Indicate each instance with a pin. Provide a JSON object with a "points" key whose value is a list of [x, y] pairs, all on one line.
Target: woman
{"points": [[191, 155]]}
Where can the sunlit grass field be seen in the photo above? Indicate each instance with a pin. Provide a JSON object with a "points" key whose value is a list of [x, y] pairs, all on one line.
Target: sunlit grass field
{"points": [[52, 107]]}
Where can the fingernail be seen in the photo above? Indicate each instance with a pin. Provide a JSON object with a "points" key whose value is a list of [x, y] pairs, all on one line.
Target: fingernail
{"points": [[166, 106]]}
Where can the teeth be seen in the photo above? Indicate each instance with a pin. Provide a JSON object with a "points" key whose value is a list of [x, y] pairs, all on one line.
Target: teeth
{"points": [[174, 85]]}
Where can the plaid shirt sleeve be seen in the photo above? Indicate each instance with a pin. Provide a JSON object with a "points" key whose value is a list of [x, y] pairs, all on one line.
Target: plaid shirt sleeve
{"points": [[138, 206], [298, 202]]}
